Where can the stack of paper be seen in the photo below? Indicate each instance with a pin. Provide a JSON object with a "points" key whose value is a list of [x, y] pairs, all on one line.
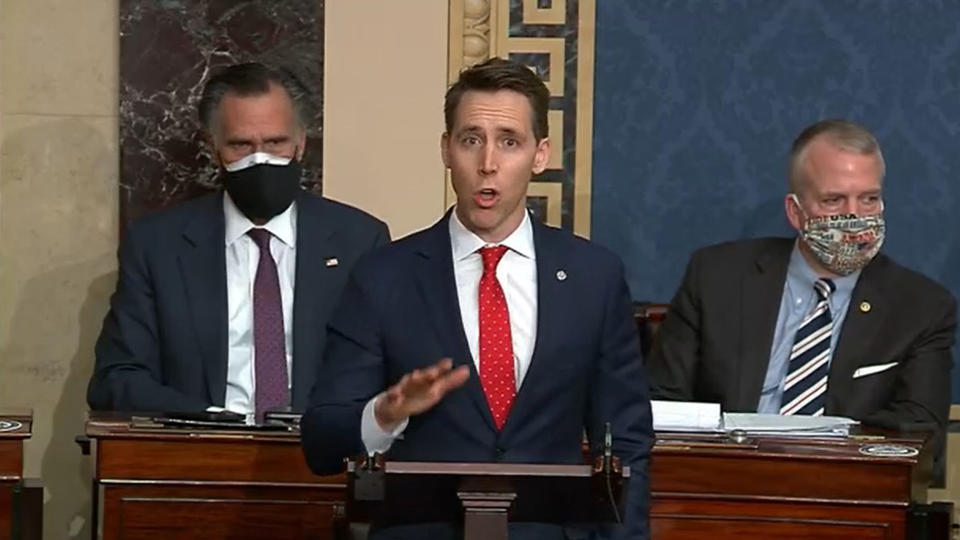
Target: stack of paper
{"points": [[686, 416], [793, 426]]}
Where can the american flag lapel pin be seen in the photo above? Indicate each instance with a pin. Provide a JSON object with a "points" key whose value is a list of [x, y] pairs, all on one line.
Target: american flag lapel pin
{"points": [[331, 262]]}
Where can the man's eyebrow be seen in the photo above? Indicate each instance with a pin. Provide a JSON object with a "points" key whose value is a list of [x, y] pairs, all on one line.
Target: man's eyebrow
{"points": [[238, 140]]}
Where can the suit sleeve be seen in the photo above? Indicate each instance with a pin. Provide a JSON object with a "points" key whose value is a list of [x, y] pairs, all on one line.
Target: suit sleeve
{"points": [[351, 374], [676, 351], [127, 372], [619, 396], [922, 396]]}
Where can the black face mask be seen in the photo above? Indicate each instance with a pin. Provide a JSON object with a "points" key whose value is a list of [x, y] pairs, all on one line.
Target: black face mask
{"points": [[263, 191]]}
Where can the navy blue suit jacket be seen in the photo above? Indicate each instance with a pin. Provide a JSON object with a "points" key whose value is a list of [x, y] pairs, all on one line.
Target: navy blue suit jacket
{"points": [[163, 346], [400, 311]]}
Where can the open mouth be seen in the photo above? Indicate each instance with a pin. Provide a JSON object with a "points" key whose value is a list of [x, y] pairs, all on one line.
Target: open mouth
{"points": [[486, 198]]}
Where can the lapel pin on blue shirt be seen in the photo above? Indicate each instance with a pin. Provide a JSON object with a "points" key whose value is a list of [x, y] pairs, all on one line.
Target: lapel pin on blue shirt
{"points": [[561, 275], [331, 261]]}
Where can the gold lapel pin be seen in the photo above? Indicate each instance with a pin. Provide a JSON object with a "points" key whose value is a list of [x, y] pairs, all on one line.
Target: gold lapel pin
{"points": [[332, 261], [865, 307], [561, 275]]}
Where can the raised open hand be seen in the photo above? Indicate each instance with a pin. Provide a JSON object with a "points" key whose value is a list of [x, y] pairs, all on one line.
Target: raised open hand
{"points": [[417, 392]]}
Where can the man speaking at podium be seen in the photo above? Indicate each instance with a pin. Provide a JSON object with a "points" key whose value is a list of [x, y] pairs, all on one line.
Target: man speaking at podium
{"points": [[220, 299], [487, 337]]}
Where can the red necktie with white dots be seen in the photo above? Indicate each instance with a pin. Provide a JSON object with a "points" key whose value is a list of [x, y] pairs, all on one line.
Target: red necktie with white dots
{"points": [[496, 345]]}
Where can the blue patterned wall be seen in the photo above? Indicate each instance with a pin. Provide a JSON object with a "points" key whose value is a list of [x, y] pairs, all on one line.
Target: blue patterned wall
{"points": [[697, 102]]}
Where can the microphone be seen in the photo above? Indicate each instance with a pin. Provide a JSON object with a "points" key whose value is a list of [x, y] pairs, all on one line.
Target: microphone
{"points": [[368, 478], [608, 470], [607, 450]]}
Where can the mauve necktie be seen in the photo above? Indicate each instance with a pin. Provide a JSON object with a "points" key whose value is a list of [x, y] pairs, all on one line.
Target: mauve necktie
{"points": [[269, 346], [496, 344]]}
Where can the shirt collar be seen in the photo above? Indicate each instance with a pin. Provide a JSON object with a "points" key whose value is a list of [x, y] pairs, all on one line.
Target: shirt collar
{"points": [[465, 243], [800, 272], [283, 225]]}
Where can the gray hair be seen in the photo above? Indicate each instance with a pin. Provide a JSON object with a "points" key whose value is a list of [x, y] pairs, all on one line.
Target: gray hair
{"points": [[253, 79], [842, 134]]}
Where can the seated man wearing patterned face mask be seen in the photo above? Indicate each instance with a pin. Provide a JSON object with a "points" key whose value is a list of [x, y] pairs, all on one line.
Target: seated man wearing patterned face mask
{"points": [[222, 301], [820, 324]]}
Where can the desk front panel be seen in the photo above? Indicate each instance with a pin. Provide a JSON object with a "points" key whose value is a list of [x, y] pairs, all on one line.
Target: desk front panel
{"points": [[777, 489], [212, 512], [203, 458], [210, 487]]}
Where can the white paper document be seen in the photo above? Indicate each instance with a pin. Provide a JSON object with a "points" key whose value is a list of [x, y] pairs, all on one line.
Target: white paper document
{"points": [[791, 425], [686, 416]]}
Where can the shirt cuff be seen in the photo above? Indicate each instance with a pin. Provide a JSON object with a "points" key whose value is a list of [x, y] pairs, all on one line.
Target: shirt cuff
{"points": [[375, 438]]}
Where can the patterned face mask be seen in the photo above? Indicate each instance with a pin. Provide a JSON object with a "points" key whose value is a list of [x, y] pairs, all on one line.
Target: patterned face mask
{"points": [[843, 243]]}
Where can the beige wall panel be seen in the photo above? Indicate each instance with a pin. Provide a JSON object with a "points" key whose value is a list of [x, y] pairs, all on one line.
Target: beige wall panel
{"points": [[59, 57], [386, 72]]}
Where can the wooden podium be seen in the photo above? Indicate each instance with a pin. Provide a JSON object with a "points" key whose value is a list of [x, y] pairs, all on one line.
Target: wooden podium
{"points": [[484, 496], [186, 484], [21, 500], [785, 488]]}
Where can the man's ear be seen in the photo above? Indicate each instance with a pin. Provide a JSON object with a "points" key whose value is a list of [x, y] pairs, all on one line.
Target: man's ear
{"points": [[212, 148], [542, 157], [444, 151], [301, 144], [791, 207]]}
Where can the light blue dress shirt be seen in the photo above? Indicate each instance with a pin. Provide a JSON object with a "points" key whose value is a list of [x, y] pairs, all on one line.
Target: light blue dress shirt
{"points": [[799, 298]]}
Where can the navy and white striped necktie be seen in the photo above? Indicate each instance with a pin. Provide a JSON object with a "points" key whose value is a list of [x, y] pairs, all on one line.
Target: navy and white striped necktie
{"points": [[805, 388]]}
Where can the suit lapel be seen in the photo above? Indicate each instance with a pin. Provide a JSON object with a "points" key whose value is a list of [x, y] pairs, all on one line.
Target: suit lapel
{"points": [[438, 287], [551, 299], [859, 328], [202, 262], [315, 246], [760, 292]]}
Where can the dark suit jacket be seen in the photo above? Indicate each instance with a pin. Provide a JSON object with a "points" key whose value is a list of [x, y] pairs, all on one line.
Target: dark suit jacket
{"points": [[163, 346], [716, 340], [400, 312]]}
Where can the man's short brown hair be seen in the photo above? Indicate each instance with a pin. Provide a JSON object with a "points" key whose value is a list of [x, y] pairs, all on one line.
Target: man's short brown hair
{"points": [[500, 74]]}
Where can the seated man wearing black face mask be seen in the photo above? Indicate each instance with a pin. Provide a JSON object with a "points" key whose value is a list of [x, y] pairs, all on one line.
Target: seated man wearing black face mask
{"points": [[223, 301], [820, 324]]}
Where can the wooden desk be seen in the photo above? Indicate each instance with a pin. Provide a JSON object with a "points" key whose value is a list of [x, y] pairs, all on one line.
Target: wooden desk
{"points": [[20, 507], [823, 489], [191, 484], [181, 485]]}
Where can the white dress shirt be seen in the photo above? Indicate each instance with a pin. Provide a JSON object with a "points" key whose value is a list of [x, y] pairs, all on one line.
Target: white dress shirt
{"points": [[517, 274], [243, 256]]}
